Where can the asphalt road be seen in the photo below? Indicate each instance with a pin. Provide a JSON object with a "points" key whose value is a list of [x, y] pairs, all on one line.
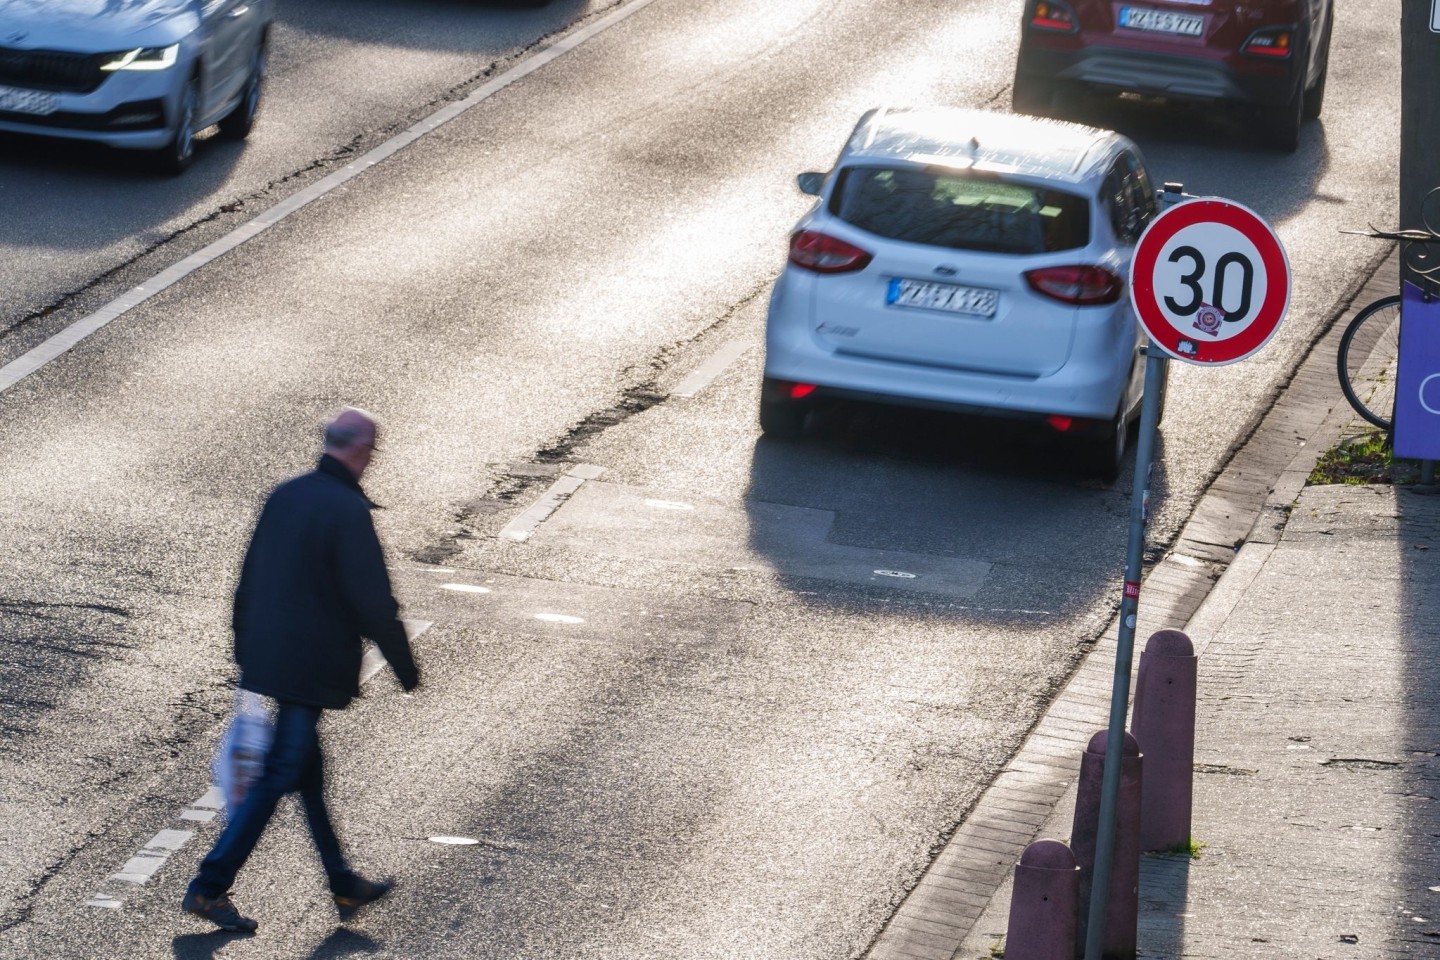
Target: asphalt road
{"points": [[687, 717]]}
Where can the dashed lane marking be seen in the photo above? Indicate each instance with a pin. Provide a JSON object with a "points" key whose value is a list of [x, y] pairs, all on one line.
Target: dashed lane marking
{"points": [[705, 374], [57, 345], [559, 618], [561, 490], [373, 659], [138, 870]]}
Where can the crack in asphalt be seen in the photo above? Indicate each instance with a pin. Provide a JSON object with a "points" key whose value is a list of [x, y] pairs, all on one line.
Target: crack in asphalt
{"points": [[640, 394]]}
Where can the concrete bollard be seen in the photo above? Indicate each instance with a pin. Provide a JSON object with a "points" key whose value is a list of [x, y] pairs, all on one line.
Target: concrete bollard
{"points": [[1043, 908], [1123, 901], [1164, 723]]}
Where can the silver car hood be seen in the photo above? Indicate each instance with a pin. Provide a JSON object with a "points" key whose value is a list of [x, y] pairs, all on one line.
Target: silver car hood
{"points": [[95, 26]]}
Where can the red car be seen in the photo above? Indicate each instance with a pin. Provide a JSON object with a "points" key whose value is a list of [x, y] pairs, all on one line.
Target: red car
{"points": [[1270, 55]]}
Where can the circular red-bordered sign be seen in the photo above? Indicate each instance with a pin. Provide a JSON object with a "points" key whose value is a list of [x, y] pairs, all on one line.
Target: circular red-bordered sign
{"points": [[1210, 281]]}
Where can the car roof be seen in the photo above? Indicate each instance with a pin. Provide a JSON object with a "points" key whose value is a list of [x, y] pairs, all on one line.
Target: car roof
{"points": [[983, 140]]}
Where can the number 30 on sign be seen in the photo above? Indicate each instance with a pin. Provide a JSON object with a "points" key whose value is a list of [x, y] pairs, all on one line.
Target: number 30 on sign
{"points": [[1210, 282]]}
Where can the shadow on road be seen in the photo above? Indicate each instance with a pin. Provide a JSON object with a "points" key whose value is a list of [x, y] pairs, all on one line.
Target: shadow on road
{"points": [[72, 195], [1216, 152], [1001, 494], [204, 946], [484, 27], [344, 943]]}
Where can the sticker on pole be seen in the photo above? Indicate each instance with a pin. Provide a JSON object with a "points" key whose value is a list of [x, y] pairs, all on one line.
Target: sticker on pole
{"points": [[1210, 282]]}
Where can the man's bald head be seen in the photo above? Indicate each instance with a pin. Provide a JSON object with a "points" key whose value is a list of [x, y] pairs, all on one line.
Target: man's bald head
{"points": [[350, 438]]}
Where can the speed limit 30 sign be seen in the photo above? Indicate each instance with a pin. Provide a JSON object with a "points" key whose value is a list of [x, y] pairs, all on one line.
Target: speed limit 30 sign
{"points": [[1210, 282]]}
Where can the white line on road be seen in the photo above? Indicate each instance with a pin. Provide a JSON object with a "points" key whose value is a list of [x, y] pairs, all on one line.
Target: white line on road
{"points": [[561, 490], [705, 374], [21, 367], [373, 659]]}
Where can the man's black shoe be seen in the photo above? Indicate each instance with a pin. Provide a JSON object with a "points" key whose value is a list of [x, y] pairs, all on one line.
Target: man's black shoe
{"points": [[362, 892], [219, 911]]}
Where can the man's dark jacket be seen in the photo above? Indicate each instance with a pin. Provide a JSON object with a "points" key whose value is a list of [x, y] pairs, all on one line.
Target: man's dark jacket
{"points": [[313, 583]]}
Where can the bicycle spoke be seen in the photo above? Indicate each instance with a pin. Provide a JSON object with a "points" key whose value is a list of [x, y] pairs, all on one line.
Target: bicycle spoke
{"points": [[1367, 361]]}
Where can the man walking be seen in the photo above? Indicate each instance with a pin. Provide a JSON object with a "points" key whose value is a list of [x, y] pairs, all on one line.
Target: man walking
{"points": [[312, 584]]}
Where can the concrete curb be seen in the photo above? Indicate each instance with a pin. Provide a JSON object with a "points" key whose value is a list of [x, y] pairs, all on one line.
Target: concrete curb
{"points": [[960, 905]]}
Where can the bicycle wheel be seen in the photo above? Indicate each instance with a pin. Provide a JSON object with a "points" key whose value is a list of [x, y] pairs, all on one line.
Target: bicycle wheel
{"points": [[1367, 358]]}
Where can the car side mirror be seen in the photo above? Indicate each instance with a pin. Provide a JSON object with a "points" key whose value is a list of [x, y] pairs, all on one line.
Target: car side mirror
{"points": [[810, 183]]}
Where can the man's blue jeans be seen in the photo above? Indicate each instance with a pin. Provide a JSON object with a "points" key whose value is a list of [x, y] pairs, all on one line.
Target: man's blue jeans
{"points": [[294, 762]]}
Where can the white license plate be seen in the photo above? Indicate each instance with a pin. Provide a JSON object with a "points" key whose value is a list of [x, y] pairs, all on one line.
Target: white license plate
{"points": [[926, 295], [38, 102], [1162, 21]]}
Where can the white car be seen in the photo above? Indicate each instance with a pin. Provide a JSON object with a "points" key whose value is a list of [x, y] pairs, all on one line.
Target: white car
{"points": [[967, 261], [138, 74]]}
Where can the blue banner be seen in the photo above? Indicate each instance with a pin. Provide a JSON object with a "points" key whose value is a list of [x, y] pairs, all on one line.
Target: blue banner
{"points": [[1417, 386]]}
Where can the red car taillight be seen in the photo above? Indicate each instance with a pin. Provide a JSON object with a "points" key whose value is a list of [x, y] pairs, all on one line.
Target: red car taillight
{"points": [[1053, 15], [1081, 285], [1272, 43], [823, 253]]}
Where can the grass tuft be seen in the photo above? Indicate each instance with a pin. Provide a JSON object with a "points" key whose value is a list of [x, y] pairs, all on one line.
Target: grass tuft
{"points": [[1365, 459]]}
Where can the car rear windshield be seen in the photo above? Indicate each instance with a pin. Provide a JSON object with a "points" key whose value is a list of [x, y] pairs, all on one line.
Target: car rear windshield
{"points": [[960, 210]]}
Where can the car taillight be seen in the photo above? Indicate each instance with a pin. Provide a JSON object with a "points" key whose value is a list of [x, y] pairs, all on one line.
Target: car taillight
{"points": [[823, 253], [1053, 15], [1081, 285], [1272, 43]]}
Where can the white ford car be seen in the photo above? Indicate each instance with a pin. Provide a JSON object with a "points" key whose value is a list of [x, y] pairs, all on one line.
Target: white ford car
{"points": [[137, 74], [967, 261]]}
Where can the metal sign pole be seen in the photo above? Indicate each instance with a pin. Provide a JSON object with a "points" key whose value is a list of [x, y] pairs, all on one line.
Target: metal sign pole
{"points": [[1155, 366]]}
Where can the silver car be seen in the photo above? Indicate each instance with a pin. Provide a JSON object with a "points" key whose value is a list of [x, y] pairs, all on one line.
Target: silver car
{"points": [[967, 261], [135, 74]]}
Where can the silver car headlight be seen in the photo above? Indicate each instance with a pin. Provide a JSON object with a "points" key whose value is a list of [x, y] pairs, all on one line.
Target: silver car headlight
{"points": [[145, 58]]}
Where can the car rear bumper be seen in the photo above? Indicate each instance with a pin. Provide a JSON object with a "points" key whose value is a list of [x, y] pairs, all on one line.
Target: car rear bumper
{"points": [[1234, 78], [1084, 389]]}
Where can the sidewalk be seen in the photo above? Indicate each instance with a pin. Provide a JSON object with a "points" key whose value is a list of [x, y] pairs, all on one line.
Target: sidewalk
{"points": [[1317, 787]]}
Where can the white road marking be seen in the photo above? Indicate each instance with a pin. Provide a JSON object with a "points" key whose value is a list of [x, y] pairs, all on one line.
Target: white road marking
{"points": [[897, 574], [151, 857], [524, 525], [705, 374], [558, 618], [455, 841], [143, 865], [373, 660], [668, 505], [211, 799], [57, 345], [464, 588]]}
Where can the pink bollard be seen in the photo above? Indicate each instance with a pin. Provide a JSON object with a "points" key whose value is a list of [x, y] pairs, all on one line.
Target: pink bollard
{"points": [[1122, 909], [1043, 906], [1164, 723]]}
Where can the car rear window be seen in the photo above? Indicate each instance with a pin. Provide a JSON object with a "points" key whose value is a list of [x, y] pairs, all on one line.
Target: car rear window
{"points": [[960, 210]]}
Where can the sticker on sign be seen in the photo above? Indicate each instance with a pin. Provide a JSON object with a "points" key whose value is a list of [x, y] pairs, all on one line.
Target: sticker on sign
{"points": [[1210, 282]]}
